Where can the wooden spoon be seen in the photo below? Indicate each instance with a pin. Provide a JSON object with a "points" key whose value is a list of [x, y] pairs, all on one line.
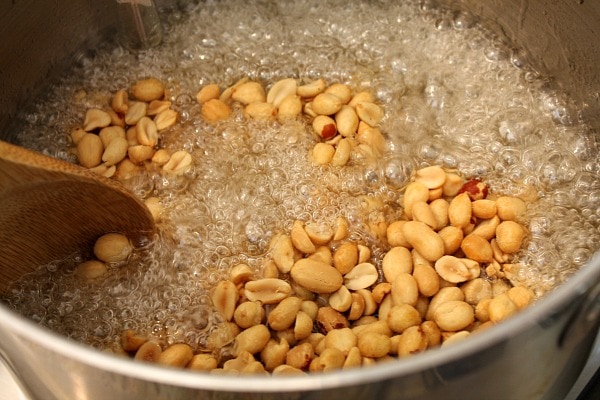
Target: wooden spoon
{"points": [[50, 208]]}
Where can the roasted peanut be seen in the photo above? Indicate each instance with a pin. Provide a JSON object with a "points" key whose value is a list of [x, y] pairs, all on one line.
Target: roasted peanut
{"points": [[424, 239], [300, 356], [290, 107], [176, 355], [326, 104], [136, 111], [120, 101], [477, 248], [404, 289], [249, 92], [224, 298], [432, 177], [274, 353], [509, 236], [361, 276], [208, 92], [248, 313], [454, 315], [415, 192], [395, 236], [280, 90], [284, 314], [282, 252], [90, 270], [95, 118], [300, 238], [459, 211], [370, 113], [165, 119], [316, 276], [341, 299], [501, 307], [510, 208], [112, 247], [343, 150], [215, 110], [267, 290], [202, 362], [148, 352], [402, 316], [116, 151], [109, 133], [90, 150], [343, 92], [323, 153], [260, 110], [346, 121], [148, 89], [428, 282], [412, 340], [311, 89], [252, 340], [422, 212]]}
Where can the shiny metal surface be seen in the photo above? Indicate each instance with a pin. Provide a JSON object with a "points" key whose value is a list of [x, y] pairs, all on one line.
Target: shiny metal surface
{"points": [[536, 355]]}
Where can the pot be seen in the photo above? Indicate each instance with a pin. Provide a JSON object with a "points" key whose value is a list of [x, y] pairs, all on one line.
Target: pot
{"points": [[537, 354]]}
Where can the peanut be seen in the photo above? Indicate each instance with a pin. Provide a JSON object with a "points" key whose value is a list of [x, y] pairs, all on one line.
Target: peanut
{"points": [[311, 89], [135, 112], [510, 208], [370, 113], [116, 151], [90, 270], [95, 118], [346, 121], [208, 92], [326, 104], [176, 355], [215, 110], [284, 314], [267, 290], [224, 298], [432, 177], [361, 276], [459, 211], [112, 247], [454, 315], [280, 90], [424, 239], [402, 316], [323, 153], [249, 92], [509, 236], [252, 340], [148, 89], [316, 276], [300, 238], [90, 150]]}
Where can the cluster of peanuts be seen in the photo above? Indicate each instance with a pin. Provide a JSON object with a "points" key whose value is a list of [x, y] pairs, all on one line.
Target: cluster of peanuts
{"points": [[124, 136], [345, 123], [321, 303], [110, 248]]}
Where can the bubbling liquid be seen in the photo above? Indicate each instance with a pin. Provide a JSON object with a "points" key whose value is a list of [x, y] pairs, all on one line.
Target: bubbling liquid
{"points": [[453, 96]]}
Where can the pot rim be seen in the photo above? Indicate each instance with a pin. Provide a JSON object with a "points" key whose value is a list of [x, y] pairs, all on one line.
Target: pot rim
{"points": [[574, 287]]}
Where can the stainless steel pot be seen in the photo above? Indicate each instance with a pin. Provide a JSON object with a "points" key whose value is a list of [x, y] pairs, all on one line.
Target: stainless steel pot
{"points": [[537, 354]]}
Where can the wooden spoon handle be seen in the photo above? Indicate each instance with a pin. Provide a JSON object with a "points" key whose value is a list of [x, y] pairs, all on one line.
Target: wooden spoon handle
{"points": [[50, 208]]}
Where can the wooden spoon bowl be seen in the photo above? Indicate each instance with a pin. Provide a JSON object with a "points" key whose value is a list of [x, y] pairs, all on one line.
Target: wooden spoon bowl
{"points": [[50, 208]]}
